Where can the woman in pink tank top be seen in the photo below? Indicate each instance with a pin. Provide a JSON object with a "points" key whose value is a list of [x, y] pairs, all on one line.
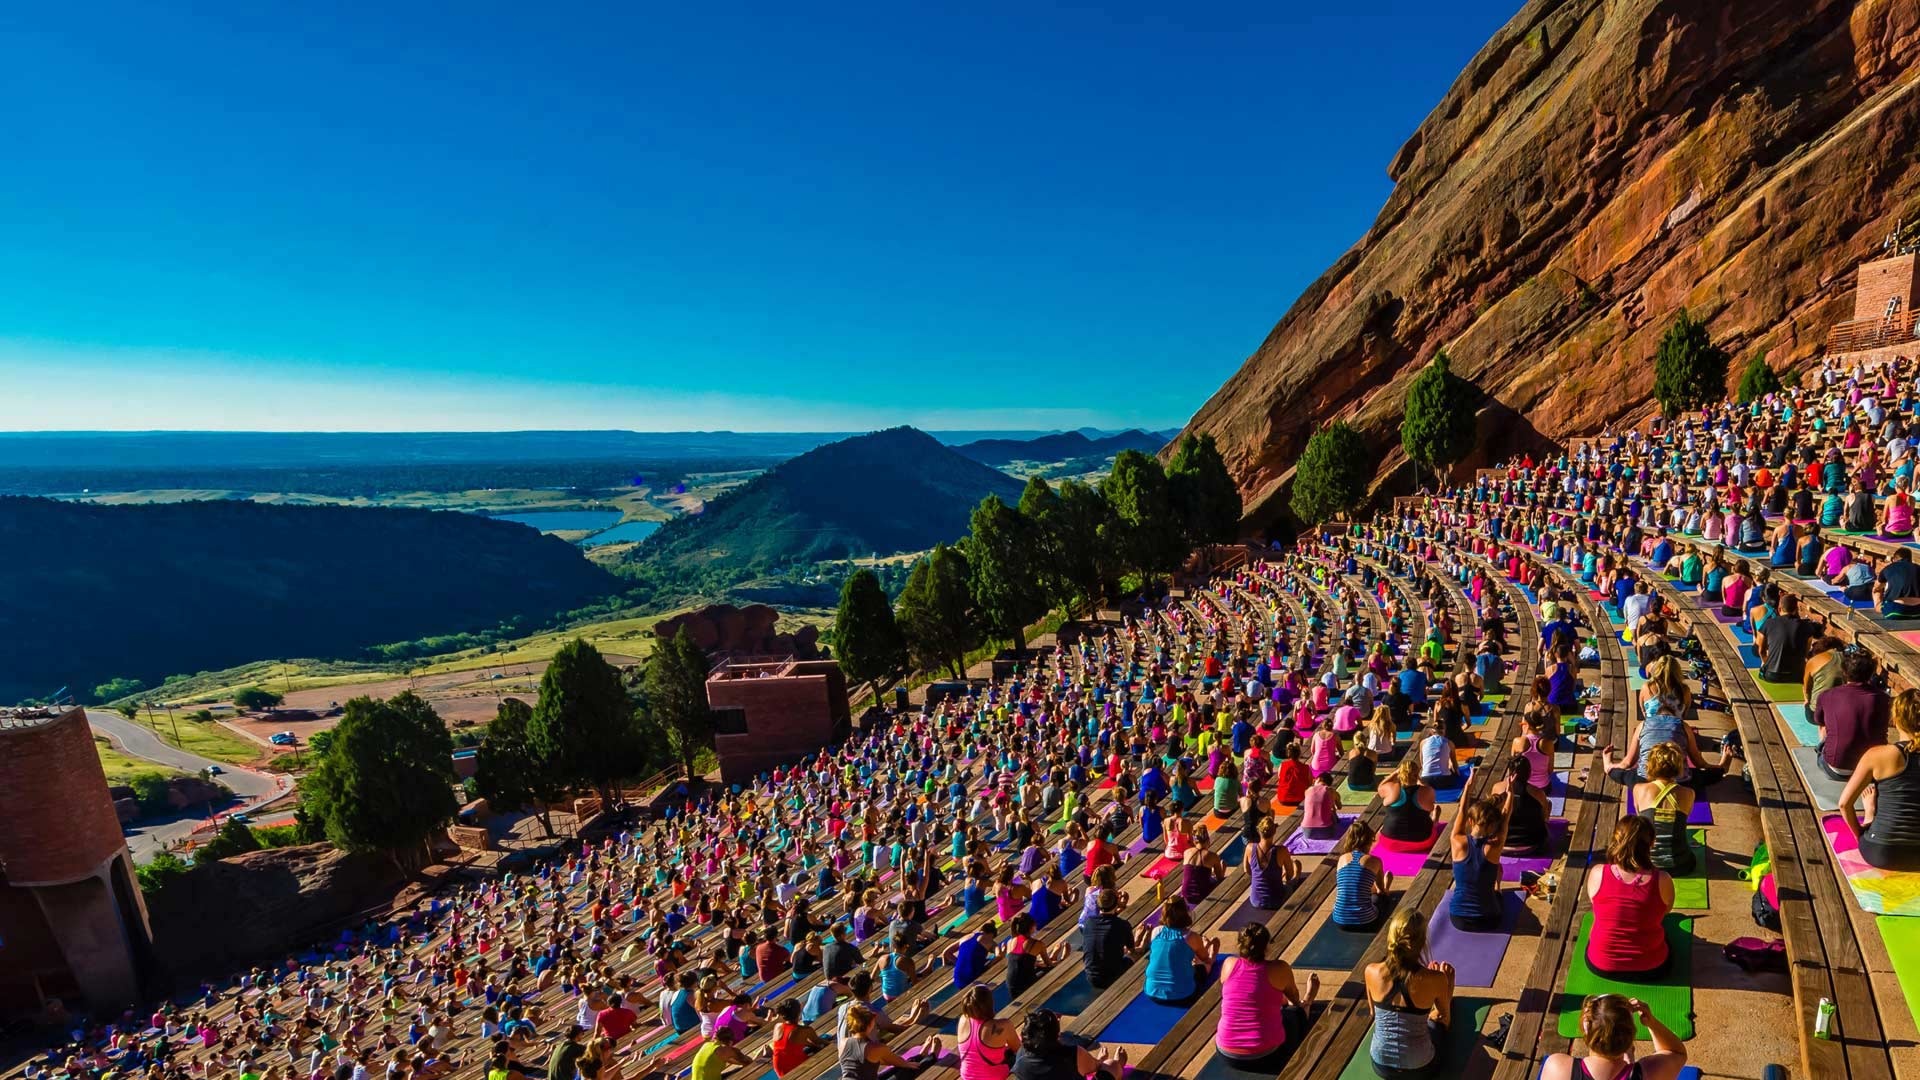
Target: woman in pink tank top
{"points": [[1630, 900], [987, 1046], [1261, 1009]]}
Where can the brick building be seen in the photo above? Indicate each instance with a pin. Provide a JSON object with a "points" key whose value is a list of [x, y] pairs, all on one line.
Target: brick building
{"points": [[1883, 310], [772, 710], [72, 922]]}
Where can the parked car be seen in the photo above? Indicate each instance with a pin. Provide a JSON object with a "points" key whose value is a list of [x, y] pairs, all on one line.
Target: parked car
{"points": [[281, 738], [214, 770]]}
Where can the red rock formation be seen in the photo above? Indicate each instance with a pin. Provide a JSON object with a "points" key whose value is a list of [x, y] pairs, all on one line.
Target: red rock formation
{"points": [[1600, 164], [723, 628]]}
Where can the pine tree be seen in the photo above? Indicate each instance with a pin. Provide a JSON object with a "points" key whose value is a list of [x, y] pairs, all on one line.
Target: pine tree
{"points": [[1331, 476], [1002, 551], [866, 641], [935, 611], [582, 728], [508, 773], [386, 781], [1203, 492], [1152, 538], [1439, 427], [1690, 370], [1758, 380], [676, 688]]}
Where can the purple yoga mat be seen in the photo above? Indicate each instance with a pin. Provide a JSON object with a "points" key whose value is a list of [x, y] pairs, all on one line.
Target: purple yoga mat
{"points": [[1136, 847], [1701, 814], [1475, 957], [1301, 844], [1557, 794], [1512, 866], [1724, 615]]}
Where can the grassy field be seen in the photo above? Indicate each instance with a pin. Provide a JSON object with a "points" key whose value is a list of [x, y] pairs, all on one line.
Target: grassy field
{"points": [[120, 768], [619, 636], [207, 740]]}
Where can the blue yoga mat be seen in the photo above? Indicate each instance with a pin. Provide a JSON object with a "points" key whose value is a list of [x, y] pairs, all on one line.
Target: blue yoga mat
{"points": [[1073, 998], [1145, 1020]]}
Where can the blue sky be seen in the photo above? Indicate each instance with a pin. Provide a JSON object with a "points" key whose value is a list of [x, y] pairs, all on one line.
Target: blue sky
{"points": [[666, 217]]}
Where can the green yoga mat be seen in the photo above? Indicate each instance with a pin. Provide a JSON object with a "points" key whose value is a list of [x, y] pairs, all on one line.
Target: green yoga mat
{"points": [[1690, 892], [1784, 692], [1469, 1017], [1902, 936], [1671, 999]]}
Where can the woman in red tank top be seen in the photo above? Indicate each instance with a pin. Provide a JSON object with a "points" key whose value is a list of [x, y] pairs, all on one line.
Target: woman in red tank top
{"points": [[1630, 899]]}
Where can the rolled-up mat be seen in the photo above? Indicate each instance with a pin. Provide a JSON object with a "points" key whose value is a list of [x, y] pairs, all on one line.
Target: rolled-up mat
{"points": [[1475, 956], [1671, 998]]}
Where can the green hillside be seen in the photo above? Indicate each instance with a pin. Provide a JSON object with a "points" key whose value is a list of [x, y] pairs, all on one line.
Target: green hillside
{"points": [[889, 491], [90, 593]]}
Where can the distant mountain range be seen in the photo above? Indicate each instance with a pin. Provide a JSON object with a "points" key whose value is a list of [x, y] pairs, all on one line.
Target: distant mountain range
{"points": [[1063, 446], [90, 593], [889, 491]]}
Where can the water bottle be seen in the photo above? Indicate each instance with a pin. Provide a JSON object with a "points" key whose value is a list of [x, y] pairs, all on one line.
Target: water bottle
{"points": [[1823, 1019]]}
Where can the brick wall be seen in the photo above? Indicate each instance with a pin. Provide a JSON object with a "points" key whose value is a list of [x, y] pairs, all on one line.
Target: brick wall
{"points": [[60, 824], [787, 716], [1880, 279]]}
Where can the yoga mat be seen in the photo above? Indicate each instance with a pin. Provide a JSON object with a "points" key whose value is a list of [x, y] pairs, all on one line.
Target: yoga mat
{"points": [[1475, 957], [1745, 637], [1701, 814], [1462, 1035], [1301, 844], [1334, 949], [1824, 790], [1244, 916], [1671, 999], [1778, 692], [1690, 891], [1350, 797], [1145, 1020], [1911, 637], [1443, 796], [1512, 866], [1804, 731], [1073, 998], [1748, 657], [1404, 859], [1557, 794], [1160, 868], [1902, 938], [1881, 892]]}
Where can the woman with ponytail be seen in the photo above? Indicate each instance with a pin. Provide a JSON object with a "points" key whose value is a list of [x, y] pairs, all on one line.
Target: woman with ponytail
{"points": [[1411, 1000]]}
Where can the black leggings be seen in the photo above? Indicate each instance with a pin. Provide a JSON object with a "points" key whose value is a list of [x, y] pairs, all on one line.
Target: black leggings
{"points": [[1646, 975]]}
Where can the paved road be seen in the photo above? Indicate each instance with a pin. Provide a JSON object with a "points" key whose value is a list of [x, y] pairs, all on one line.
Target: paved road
{"points": [[151, 836]]}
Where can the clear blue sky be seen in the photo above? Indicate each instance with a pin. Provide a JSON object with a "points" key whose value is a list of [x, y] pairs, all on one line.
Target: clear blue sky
{"points": [[659, 217]]}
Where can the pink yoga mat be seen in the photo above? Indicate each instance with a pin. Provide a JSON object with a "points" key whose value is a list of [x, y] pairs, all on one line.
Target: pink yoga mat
{"points": [[1475, 957], [1405, 859], [1301, 844], [1161, 868]]}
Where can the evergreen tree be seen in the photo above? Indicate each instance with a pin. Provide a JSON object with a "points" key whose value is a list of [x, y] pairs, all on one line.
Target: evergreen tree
{"points": [[1042, 508], [1151, 537], [582, 727], [1001, 552], [1439, 427], [386, 781], [935, 612], [676, 688], [1690, 370], [508, 773], [1086, 532], [1331, 475], [233, 838], [866, 641], [1758, 380], [1203, 491]]}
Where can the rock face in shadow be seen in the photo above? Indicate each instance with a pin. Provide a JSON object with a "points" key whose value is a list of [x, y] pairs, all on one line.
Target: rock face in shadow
{"points": [[723, 628], [258, 907], [1599, 165]]}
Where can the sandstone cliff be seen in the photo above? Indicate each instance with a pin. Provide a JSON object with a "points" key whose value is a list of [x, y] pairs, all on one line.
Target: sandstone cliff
{"points": [[1600, 164]]}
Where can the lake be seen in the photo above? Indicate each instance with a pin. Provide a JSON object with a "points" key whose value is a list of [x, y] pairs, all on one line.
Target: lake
{"points": [[564, 520], [632, 530]]}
